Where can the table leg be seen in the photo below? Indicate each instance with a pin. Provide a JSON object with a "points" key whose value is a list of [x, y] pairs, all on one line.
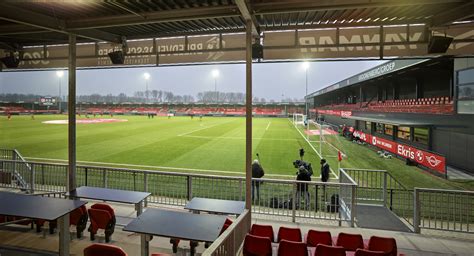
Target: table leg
{"points": [[139, 208], [64, 239], [145, 245], [193, 245]]}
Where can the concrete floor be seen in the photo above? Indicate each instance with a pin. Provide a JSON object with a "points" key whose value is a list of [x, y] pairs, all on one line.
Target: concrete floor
{"points": [[408, 243]]}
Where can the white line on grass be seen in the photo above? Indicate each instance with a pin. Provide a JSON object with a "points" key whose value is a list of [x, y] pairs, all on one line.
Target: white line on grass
{"points": [[234, 138], [269, 123], [153, 166], [206, 127], [309, 143]]}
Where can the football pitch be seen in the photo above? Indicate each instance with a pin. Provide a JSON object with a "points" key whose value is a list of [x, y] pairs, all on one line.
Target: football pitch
{"points": [[213, 145]]}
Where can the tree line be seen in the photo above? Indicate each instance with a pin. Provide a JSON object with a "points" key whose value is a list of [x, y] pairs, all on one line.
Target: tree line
{"points": [[150, 96]]}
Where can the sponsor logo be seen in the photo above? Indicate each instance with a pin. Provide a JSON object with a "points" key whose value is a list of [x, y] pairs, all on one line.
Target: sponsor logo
{"points": [[374, 140], [433, 161], [419, 156]]}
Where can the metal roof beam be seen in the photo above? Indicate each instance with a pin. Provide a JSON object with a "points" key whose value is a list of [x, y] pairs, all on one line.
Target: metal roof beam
{"points": [[245, 11], [37, 20], [276, 7], [458, 13], [154, 17]]}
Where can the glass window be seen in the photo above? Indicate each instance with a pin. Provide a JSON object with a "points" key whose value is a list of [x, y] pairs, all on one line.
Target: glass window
{"points": [[403, 133], [388, 129], [421, 135], [466, 107], [466, 91], [466, 76], [379, 128], [368, 126]]}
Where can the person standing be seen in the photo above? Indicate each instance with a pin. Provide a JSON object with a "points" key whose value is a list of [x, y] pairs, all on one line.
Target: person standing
{"points": [[302, 188], [258, 173], [324, 170]]}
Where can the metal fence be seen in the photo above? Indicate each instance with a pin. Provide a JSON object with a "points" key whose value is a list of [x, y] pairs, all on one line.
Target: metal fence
{"points": [[289, 198], [230, 242], [379, 187], [441, 209]]}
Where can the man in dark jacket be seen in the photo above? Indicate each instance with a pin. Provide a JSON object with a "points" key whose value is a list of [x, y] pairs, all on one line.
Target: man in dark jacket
{"points": [[257, 172], [302, 188], [324, 170]]}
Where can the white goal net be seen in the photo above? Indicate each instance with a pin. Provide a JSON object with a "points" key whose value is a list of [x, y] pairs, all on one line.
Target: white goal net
{"points": [[298, 119]]}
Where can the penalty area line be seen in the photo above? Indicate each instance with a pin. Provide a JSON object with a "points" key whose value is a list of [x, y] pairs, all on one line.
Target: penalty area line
{"points": [[206, 127], [154, 166]]}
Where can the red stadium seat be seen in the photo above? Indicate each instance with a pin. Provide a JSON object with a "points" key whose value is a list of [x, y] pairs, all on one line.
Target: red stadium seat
{"points": [[160, 254], [365, 252], [289, 234], [102, 217], [290, 248], [263, 231], [257, 246], [314, 237], [79, 219], [103, 250], [326, 250], [350, 242], [388, 245]]}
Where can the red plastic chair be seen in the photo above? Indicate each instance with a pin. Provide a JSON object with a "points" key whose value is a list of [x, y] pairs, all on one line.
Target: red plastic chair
{"points": [[326, 250], [350, 242], [290, 248], [263, 231], [79, 218], [102, 217], [257, 246], [103, 250], [289, 234], [364, 252], [388, 245], [160, 254], [314, 237]]}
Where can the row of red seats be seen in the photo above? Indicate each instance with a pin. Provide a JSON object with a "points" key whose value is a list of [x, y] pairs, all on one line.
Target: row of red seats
{"points": [[259, 242]]}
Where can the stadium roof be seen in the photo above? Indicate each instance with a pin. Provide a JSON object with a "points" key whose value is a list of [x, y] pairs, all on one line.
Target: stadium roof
{"points": [[396, 121], [40, 22], [380, 70]]}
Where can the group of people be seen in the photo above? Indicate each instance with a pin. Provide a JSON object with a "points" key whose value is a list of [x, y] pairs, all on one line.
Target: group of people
{"points": [[304, 173]]}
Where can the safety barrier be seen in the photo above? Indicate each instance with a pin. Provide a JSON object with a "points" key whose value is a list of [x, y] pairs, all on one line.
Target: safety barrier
{"points": [[441, 209], [230, 242]]}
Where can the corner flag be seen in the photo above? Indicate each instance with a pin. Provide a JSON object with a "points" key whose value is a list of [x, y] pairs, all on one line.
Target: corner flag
{"points": [[339, 156]]}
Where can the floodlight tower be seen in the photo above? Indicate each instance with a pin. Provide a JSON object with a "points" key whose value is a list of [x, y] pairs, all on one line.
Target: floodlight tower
{"points": [[59, 74], [147, 77], [305, 67], [215, 74]]}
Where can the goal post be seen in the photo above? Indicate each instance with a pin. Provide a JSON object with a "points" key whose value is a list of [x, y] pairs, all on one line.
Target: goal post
{"points": [[298, 119]]}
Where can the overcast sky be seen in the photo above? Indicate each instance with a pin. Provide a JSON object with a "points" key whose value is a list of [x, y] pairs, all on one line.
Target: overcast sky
{"points": [[270, 80]]}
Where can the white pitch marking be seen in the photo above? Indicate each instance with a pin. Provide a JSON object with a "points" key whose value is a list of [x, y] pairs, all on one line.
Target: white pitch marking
{"points": [[269, 123], [233, 138], [153, 166], [206, 127]]}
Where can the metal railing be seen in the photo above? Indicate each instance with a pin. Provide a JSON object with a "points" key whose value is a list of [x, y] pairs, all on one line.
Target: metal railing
{"points": [[441, 209], [379, 187], [16, 172], [275, 197], [231, 240]]}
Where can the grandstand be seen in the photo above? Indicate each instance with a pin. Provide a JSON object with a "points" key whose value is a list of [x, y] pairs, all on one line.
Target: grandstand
{"points": [[417, 104]]}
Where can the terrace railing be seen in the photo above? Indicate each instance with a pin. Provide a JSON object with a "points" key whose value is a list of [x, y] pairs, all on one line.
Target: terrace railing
{"points": [[15, 174], [379, 187], [230, 242], [276, 197], [441, 209]]}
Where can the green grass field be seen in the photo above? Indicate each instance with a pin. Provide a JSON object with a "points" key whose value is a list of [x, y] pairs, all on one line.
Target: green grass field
{"points": [[213, 145]]}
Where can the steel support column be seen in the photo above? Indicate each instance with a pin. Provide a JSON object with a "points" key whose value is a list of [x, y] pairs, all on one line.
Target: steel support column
{"points": [[248, 117], [72, 113]]}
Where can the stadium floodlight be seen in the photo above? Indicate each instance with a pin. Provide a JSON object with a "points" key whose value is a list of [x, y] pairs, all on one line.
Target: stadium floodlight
{"points": [[305, 67], [59, 74], [147, 77], [215, 74]]}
